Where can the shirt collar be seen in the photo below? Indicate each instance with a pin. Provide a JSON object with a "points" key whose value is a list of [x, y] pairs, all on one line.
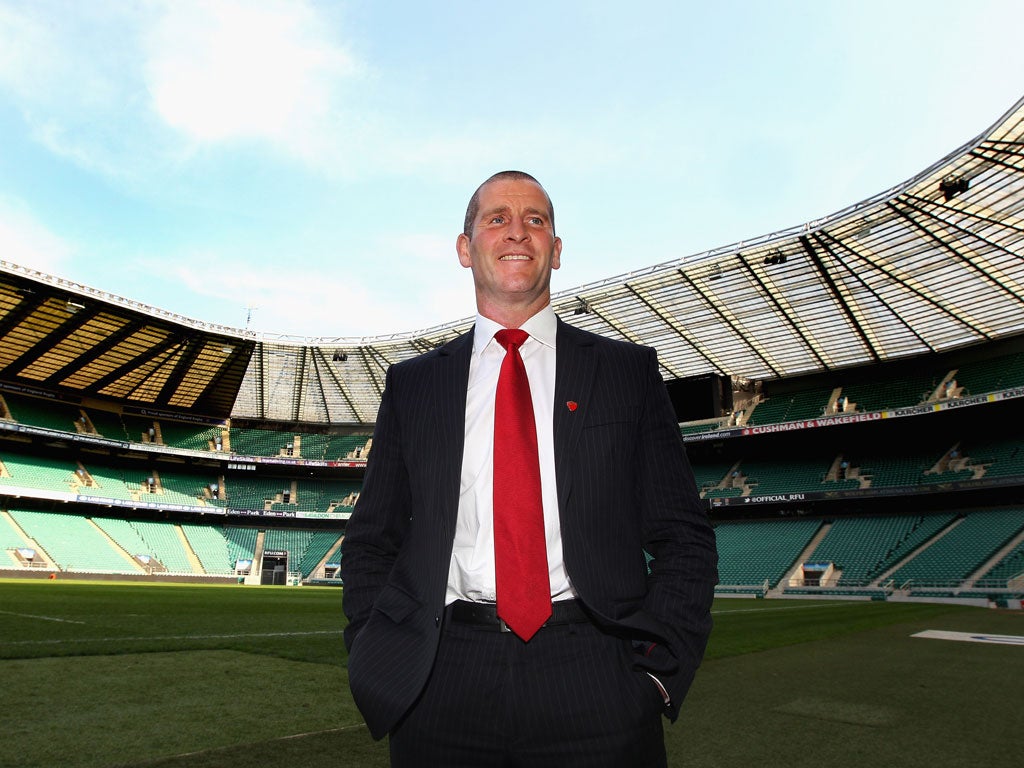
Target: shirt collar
{"points": [[542, 327]]}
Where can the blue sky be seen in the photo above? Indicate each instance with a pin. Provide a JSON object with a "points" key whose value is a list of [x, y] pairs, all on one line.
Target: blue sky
{"points": [[312, 160]]}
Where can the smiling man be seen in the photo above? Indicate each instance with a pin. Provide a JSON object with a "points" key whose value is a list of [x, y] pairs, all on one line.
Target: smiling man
{"points": [[501, 610], [509, 242]]}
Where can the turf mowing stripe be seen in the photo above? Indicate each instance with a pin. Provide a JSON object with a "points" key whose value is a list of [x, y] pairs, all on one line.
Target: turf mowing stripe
{"points": [[970, 637], [172, 637], [42, 618], [787, 608]]}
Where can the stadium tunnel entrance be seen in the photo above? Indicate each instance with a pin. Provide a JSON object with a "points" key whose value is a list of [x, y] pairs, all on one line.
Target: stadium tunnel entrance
{"points": [[274, 568]]}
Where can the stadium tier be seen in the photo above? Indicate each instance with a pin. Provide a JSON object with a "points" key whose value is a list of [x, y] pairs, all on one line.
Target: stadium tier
{"points": [[861, 549], [75, 543], [1009, 569], [101, 423], [964, 548], [799, 405], [840, 479], [944, 384], [752, 553]]}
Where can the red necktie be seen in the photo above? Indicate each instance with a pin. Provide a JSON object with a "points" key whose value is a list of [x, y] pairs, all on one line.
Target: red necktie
{"points": [[520, 554]]}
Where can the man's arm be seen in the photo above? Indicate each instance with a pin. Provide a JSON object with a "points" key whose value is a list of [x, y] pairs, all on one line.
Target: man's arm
{"points": [[380, 521], [679, 537]]}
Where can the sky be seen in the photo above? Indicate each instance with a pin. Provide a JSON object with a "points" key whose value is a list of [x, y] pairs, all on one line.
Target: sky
{"points": [[303, 168]]}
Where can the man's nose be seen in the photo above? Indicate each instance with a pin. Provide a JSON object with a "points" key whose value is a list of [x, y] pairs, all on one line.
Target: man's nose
{"points": [[516, 231]]}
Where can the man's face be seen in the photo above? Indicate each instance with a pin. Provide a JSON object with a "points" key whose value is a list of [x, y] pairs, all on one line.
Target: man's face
{"points": [[513, 248]]}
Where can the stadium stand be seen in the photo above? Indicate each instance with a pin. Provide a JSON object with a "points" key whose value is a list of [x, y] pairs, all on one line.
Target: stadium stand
{"points": [[808, 404], [966, 546], [901, 392], [940, 382], [106, 424], [241, 542], [187, 436], [864, 548], [242, 441], [894, 466], [74, 543], [185, 489], [347, 447], [998, 373], [264, 442], [108, 483], [751, 553], [321, 543], [256, 492], [10, 541], [696, 428], [786, 476], [1010, 568], [124, 533], [48, 414], [212, 547], [305, 548], [712, 474], [46, 474], [168, 545], [999, 458]]}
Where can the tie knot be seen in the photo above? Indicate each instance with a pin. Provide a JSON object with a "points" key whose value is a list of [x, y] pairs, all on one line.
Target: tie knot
{"points": [[511, 338]]}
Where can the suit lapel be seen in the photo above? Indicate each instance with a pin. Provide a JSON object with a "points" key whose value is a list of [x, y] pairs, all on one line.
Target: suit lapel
{"points": [[574, 377], [449, 394]]}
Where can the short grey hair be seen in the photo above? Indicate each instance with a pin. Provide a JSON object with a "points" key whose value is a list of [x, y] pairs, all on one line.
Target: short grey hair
{"points": [[473, 209]]}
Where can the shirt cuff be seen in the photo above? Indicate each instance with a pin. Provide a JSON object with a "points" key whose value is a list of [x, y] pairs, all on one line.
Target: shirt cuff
{"points": [[664, 692]]}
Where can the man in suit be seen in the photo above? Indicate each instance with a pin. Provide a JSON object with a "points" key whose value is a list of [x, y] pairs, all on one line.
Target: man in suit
{"points": [[432, 662]]}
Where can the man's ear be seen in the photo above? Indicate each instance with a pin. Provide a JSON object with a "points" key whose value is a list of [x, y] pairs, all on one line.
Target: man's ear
{"points": [[556, 256], [462, 248]]}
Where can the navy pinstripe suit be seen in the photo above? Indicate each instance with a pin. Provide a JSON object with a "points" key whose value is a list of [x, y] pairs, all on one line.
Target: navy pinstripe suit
{"points": [[624, 486]]}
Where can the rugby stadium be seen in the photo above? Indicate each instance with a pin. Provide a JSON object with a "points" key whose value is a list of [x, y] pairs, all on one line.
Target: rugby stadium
{"points": [[850, 392]]}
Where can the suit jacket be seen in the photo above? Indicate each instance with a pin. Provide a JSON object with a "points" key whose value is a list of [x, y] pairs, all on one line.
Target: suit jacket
{"points": [[624, 487]]}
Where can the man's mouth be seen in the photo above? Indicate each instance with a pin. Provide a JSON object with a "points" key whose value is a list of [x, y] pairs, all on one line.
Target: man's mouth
{"points": [[514, 257]]}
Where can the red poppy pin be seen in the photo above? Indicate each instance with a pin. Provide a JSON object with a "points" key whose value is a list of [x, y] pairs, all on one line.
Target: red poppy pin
{"points": [[572, 405]]}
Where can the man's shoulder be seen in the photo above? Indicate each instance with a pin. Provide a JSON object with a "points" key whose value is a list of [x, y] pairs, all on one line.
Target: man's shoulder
{"points": [[461, 344], [589, 338]]}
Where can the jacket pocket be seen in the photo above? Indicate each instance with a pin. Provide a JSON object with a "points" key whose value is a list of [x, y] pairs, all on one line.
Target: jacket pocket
{"points": [[395, 604], [615, 414]]}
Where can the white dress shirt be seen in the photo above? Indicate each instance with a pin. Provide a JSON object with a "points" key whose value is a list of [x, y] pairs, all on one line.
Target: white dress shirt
{"points": [[471, 572]]}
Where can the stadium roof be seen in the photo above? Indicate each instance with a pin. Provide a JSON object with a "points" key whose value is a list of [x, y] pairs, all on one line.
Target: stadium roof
{"points": [[930, 265], [63, 337]]}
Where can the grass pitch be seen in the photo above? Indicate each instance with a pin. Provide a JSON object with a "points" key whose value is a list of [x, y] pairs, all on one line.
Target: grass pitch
{"points": [[98, 675]]}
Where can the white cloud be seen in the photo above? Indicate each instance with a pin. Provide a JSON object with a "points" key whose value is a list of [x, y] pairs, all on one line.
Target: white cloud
{"points": [[409, 283], [28, 243], [132, 90], [243, 70], [140, 92], [19, 36], [73, 77]]}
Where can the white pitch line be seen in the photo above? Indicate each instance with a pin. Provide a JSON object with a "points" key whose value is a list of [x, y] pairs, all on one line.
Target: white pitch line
{"points": [[212, 750], [172, 637], [971, 637], [42, 618], [340, 729]]}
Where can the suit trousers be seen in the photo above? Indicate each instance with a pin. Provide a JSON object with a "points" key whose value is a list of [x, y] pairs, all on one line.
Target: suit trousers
{"points": [[568, 698]]}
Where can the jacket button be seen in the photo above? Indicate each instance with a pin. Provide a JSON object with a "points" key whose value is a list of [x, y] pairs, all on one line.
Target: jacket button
{"points": [[437, 621]]}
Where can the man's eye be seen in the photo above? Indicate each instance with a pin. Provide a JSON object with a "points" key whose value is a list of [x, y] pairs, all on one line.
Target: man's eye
{"points": [[497, 220], [536, 220]]}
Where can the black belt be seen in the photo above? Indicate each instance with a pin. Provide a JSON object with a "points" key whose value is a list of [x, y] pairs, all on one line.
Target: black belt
{"points": [[486, 614]]}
